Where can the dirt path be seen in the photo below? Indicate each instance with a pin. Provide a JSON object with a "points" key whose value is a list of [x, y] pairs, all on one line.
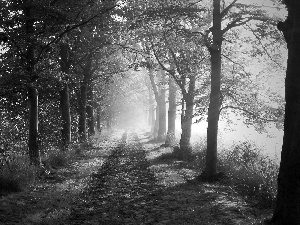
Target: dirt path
{"points": [[129, 188]]}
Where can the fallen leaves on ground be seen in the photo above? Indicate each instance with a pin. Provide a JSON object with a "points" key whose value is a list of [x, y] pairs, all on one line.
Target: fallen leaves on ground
{"points": [[123, 187]]}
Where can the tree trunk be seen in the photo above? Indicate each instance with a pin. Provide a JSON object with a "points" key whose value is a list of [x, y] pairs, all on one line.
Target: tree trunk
{"points": [[33, 150], [151, 119], [65, 116], [87, 73], [156, 94], [170, 139], [99, 119], [34, 153], [108, 124], [186, 128], [161, 135], [90, 111], [109, 117], [65, 63], [156, 123], [161, 104], [82, 113], [287, 210], [151, 115], [214, 104]]}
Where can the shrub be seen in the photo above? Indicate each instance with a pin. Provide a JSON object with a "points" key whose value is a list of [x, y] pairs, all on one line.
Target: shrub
{"points": [[251, 173], [16, 174], [247, 170], [56, 159], [199, 150]]}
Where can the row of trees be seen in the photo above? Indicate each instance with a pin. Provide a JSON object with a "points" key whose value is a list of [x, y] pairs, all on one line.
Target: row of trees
{"points": [[199, 48], [59, 58], [57, 61], [66, 55]]}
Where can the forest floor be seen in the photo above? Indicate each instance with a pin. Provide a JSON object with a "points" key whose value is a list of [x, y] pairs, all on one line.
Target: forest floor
{"points": [[120, 181]]}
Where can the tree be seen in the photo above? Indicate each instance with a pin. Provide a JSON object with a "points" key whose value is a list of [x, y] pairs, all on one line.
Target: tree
{"points": [[151, 110], [188, 65], [157, 25], [214, 104], [65, 63], [159, 93], [242, 14], [82, 98], [171, 112], [287, 209], [41, 25]]}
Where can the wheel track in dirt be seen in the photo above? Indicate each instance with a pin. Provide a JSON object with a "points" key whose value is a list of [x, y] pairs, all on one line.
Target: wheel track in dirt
{"points": [[147, 202]]}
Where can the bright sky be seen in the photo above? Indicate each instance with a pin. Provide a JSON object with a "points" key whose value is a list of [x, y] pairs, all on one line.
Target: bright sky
{"points": [[269, 6]]}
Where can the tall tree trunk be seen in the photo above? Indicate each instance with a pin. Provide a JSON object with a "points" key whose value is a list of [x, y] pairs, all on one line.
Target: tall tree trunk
{"points": [[187, 118], [90, 110], [87, 73], [156, 95], [34, 153], [109, 118], [214, 104], [161, 104], [99, 119], [65, 63], [108, 125], [33, 150], [161, 136], [287, 209], [162, 112], [151, 113], [156, 123], [151, 118], [65, 116], [186, 128], [82, 113], [171, 112]]}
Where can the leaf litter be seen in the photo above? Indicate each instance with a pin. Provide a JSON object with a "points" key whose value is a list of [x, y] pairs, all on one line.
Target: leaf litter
{"points": [[126, 188]]}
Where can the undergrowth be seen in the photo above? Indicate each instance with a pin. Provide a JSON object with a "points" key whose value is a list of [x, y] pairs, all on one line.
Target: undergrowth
{"points": [[16, 173], [249, 172]]}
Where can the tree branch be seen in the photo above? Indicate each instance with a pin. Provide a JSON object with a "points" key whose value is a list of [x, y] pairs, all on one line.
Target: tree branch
{"points": [[236, 23], [243, 21], [171, 72], [248, 112], [68, 29], [264, 48], [236, 63], [225, 11]]}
